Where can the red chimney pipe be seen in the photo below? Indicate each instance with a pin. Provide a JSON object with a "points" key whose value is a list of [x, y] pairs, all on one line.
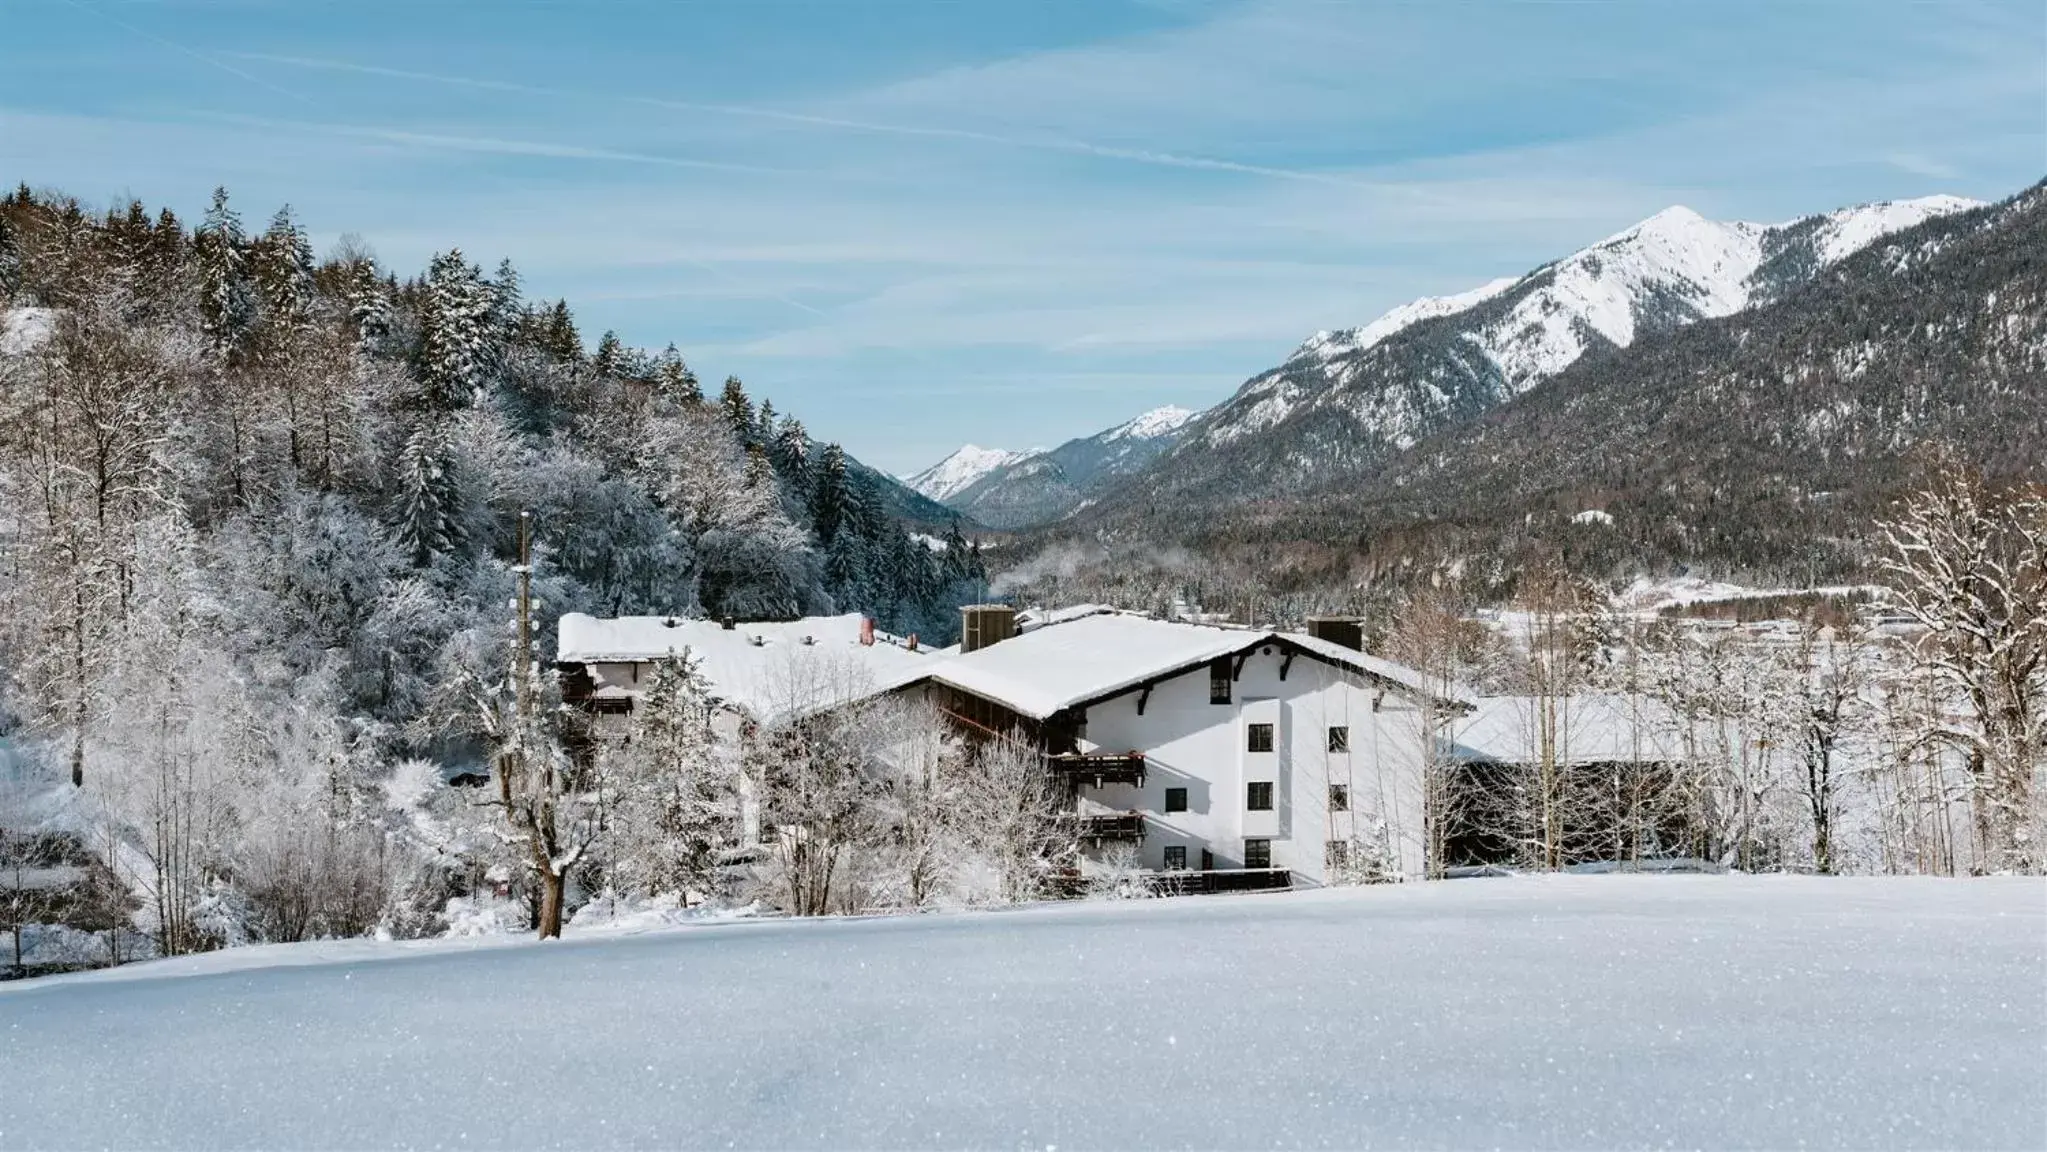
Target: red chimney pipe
{"points": [[866, 632]]}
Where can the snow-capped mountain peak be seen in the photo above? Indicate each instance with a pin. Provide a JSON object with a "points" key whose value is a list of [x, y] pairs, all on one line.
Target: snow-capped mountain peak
{"points": [[1326, 343], [959, 471], [1153, 424], [1852, 229], [1386, 385]]}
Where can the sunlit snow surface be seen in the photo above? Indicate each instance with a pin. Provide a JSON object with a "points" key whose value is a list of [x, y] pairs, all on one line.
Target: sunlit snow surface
{"points": [[1558, 1012]]}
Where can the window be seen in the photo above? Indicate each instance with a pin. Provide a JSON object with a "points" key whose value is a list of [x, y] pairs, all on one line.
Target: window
{"points": [[1257, 853], [1219, 680], [1260, 738], [1258, 796], [1339, 797], [1207, 860], [1176, 858], [1339, 738], [1336, 854], [1176, 799]]}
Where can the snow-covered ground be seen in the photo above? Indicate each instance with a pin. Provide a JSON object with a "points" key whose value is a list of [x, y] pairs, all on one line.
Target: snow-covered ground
{"points": [[1539, 1012]]}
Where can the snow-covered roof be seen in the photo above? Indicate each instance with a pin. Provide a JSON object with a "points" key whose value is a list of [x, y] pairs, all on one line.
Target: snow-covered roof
{"points": [[1046, 669], [768, 670], [1096, 654], [1591, 728], [1034, 618], [1377, 667]]}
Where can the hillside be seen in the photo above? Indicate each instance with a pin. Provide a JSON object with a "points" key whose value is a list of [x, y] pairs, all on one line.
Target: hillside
{"points": [[1346, 401]]}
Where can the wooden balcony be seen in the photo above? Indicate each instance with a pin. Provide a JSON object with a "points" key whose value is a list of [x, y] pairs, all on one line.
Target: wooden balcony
{"points": [[1098, 768], [1112, 826]]}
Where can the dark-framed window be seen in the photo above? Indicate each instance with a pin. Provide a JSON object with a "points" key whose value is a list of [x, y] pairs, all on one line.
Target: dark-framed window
{"points": [[1339, 797], [1207, 860], [1339, 738], [1176, 799], [1257, 853], [1219, 680], [1176, 857], [1258, 738], [1258, 796], [1336, 853]]}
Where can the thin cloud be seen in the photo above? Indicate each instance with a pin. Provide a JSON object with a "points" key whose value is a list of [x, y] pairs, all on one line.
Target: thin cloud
{"points": [[203, 57], [497, 145], [1035, 143]]}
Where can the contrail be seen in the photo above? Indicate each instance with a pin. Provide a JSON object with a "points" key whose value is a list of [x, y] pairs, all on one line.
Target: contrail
{"points": [[194, 53], [1037, 143], [497, 145]]}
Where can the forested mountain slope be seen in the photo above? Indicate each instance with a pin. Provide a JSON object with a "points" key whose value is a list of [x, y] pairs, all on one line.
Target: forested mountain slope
{"points": [[1345, 401], [272, 502], [1768, 440], [1764, 442], [423, 413]]}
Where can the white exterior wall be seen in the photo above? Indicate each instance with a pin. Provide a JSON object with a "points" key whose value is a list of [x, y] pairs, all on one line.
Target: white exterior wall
{"points": [[1193, 744]]}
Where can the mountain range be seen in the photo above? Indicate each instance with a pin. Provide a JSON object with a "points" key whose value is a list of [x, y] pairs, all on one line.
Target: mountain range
{"points": [[1347, 400], [1004, 489]]}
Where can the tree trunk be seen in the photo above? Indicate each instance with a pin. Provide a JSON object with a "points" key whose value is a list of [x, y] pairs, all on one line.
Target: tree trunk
{"points": [[552, 886]]}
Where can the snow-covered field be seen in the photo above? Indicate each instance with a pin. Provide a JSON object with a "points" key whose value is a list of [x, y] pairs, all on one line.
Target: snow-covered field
{"points": [[1553, 1012]]}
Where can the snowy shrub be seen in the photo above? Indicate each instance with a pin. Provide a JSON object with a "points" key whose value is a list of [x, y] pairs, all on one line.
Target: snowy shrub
{"points": [[1117, 875]]}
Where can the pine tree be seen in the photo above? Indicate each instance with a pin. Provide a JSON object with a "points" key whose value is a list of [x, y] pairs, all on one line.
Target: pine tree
{"points": [[610, 361], [864, 511], [130, 236], [369, 306], [849, 572], [507, 307], [956, 557], [456, 345], [790, 451], [828, 494], [429, 498], [225, 310], [760, 471], [738, 410], [674, 382], [674, 799], [283, 269], [10, 261], [559, 336], [163, 270]]}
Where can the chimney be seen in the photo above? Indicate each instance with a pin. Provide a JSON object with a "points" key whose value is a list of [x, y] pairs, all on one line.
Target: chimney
{"points": [[866, 632], [983, 625], [1348, 631], [910, 642], [727, 623]]}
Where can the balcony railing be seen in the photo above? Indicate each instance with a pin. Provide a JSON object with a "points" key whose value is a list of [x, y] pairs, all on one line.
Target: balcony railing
{"points": [[1098, 768], [1112, 826], [1186, 883]]}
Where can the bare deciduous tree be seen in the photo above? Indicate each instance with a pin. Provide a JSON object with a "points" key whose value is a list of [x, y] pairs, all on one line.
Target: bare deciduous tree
{"points": [[1970, 562]]}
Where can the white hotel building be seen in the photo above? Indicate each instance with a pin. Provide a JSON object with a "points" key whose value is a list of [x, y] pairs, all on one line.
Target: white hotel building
{"points": [[1205, 748]]}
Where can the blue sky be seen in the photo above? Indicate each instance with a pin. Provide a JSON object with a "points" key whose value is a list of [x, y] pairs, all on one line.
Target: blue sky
{"points": [[922, 222]]}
